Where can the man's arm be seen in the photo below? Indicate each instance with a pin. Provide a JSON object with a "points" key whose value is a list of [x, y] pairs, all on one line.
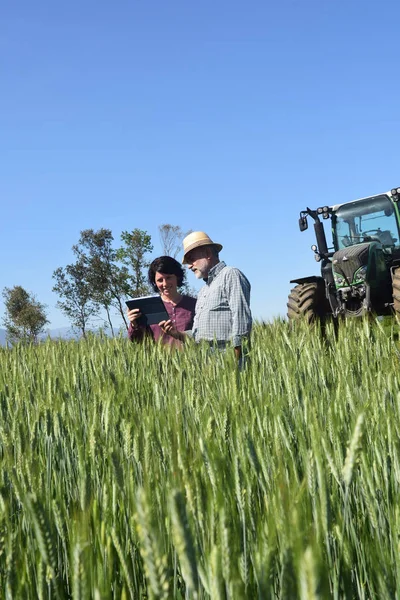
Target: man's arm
{"points": [[238, 294]]}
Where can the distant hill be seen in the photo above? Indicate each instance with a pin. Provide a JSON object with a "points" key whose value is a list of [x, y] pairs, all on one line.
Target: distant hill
{"points": [[64, 333], [67, 333]]}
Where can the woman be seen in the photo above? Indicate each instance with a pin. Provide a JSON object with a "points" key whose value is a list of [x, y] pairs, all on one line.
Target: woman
{"points": [[165, 276]]}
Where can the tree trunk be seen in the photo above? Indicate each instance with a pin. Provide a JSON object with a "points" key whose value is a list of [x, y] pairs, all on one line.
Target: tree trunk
{"points": [[109, 320]]}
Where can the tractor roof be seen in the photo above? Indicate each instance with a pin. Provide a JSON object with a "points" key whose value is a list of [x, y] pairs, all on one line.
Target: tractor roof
{"points": [[335, 207]]}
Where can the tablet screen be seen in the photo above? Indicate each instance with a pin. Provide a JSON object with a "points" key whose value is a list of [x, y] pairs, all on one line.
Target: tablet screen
{"points": [[152, 309]]}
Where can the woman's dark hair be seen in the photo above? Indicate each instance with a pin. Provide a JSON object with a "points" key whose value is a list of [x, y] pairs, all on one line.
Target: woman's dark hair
{"points": [[168, 266]]}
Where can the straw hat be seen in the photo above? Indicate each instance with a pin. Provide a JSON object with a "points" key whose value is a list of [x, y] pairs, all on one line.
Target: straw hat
{"points": [[196, 239]]}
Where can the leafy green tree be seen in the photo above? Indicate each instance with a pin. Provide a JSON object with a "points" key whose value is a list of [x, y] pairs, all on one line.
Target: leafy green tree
{"points": [[133, 254], [25, 317], [109, 283], [76, 295]]}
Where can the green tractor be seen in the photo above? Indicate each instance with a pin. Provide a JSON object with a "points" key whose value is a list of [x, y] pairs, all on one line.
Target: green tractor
{"points": [[360, 273]]}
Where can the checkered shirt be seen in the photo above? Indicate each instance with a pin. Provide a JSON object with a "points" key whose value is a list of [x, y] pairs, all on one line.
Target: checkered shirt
{"points": [[223, 307]]}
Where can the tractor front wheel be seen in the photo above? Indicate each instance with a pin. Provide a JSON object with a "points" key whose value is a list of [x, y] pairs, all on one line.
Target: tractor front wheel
{"points": [[307, 301]]}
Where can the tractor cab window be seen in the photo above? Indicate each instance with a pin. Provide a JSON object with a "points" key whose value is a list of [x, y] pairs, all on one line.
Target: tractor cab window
{"points": [[372, 219]]}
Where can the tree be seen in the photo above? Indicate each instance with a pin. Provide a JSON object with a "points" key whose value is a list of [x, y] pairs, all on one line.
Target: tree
{"points": [[108, 282], [171, 237], [137, 244], [73, 287], [25, 317]]}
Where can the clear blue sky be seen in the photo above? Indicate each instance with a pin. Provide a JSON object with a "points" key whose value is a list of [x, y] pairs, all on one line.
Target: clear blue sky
{"points": [[222, 116]]}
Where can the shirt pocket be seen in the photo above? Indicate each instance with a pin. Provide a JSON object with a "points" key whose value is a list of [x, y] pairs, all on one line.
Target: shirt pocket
{"points": [[217, 301]]}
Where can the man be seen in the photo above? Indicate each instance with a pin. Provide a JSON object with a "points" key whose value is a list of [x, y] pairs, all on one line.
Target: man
{"points": [[223, 315]]}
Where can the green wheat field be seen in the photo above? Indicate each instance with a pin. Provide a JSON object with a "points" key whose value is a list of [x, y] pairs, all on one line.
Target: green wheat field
{"points": [[130, 471]]}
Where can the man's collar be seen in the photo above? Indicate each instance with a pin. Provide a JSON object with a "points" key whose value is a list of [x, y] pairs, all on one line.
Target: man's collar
{"points": [[214, 271]]}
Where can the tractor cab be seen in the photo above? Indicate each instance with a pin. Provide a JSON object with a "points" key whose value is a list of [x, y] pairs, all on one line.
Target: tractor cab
{"points": [[367, 220]]}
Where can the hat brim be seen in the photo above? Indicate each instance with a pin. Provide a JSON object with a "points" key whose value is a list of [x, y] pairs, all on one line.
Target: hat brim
{"points": [[197, 245]]}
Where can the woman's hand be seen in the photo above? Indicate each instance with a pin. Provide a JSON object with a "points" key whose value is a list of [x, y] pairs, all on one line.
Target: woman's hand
{"points": [[170, 328], [133, 316]]}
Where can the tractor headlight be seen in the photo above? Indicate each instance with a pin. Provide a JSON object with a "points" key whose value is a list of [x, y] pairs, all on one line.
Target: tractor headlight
{"points": [[320, 210], [338, 279], [395, 194], [360, 275], [325, 212]]}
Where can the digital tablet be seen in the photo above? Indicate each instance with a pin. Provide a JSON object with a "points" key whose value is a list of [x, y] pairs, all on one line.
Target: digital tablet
{"points": [[152, 309]]}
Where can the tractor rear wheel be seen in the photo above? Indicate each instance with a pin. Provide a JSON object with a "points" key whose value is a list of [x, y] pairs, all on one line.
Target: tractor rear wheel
{"points": [[396, 291], [307, 301]]}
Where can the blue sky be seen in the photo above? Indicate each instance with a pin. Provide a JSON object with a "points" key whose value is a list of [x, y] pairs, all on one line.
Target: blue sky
{"points": [[222, 116]]}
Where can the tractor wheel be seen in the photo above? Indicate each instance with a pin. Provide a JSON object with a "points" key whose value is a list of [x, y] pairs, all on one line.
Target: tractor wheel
{"points": [[307, 301], [396, 291]]}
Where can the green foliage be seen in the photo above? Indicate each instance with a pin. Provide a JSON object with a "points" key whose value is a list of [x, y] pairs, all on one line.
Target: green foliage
{"points": [[108, 282], [137, 471], [97, 281], [133, 254], [25, 317], [74, 289]]}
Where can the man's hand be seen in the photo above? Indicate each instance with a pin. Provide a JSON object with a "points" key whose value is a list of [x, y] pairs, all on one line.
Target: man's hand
{"points": [[238, 352], [242, 360]]}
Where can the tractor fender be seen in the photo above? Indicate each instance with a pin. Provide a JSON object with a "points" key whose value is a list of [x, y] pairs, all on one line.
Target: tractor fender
{"points": [[310, 279]]}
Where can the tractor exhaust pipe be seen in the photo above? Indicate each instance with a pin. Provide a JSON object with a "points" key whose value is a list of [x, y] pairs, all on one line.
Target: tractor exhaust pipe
{"points": [[321, 238]]}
